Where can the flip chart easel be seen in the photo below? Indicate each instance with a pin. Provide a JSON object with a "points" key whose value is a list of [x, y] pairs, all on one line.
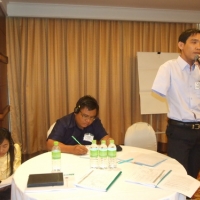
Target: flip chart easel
{"points": [[148, 64]]}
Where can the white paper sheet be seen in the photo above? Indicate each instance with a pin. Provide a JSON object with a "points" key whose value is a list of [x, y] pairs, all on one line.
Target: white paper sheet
{"points": [[6, 182]]}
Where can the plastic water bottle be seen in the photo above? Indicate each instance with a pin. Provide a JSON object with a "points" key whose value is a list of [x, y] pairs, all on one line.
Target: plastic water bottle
{"points": [[56, 157], [112, 161], [94, 155], [103, 161]]}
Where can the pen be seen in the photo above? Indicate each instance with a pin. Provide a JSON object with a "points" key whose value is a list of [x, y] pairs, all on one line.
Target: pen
{"points": [[68, 174], [159, 176], [123, 161], [76, 140], [86, 176], [165, 176]]}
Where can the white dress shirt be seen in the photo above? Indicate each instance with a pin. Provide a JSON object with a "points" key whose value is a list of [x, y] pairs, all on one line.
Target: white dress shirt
{"points": [[181, 86]]}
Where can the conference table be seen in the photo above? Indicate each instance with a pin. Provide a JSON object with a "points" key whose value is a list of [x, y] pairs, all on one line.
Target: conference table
{"points": [[77, 165]]}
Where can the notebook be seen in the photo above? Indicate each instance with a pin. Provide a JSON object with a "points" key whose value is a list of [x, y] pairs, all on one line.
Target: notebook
{"points": [[100, 180], [49, 179]]}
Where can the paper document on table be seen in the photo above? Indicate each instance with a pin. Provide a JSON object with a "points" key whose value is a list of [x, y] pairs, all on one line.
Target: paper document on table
{"points": [[100, 180], [68, 184], [149, 159], [87, 156], [127, 157], [184, 184], [164, 179], [6, 182], [148, 176]]}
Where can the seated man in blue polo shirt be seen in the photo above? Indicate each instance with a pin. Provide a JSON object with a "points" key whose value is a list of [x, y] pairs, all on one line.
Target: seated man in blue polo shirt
{"points": [[83, 124]]}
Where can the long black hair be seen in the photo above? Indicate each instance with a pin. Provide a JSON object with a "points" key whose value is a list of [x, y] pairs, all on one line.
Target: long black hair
{"points": [[5, 134]]}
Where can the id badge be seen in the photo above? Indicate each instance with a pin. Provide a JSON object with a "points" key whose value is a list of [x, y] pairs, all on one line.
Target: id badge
{"points": [[88, 137], [197, 85]]}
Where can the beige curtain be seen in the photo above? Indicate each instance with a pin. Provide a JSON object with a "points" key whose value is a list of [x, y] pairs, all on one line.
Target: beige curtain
{"points": [[53, 62]]}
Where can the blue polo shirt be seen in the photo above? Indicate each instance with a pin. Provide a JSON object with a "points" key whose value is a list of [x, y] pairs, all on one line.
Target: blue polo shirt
{"points": [[66, 127]]}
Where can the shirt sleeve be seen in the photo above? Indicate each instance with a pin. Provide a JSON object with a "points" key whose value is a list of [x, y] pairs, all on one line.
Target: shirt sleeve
{"points": [[162, 80], [100, 131], [17, 161], [58, 132]]}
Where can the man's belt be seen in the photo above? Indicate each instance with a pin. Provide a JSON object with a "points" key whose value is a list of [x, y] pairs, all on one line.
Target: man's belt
{"points": [[189, 125]]}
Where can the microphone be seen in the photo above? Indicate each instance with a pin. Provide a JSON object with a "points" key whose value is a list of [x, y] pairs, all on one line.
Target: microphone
{"points": [[197, 58]]}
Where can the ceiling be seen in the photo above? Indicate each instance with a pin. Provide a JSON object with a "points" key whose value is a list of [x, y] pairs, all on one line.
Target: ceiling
{"points": [[158, 4], [181, 11]]}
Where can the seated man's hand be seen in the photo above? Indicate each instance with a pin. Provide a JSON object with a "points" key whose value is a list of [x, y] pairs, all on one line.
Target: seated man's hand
{"points": [[80, 150]]}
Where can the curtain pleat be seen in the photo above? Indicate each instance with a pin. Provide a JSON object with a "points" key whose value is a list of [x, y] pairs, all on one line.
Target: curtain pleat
{"points": [[53, 62]]}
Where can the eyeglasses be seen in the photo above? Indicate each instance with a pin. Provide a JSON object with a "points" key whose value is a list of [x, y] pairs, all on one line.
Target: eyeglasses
{"points": [[86, 117]]}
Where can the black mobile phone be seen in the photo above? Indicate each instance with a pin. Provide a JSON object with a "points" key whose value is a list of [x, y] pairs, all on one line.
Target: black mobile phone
{"points": [[119, 148]]}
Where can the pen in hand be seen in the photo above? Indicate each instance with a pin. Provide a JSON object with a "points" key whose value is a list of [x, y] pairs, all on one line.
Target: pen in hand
{"points": [[76, 140]]}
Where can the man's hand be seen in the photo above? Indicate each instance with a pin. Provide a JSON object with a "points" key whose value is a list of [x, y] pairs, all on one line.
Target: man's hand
{"points": [[73, 149], [79, 150], [197, 64]]}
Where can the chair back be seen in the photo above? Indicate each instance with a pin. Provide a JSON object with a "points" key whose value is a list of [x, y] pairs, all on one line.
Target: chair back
{"points": [[141, 134], [50, 129]]}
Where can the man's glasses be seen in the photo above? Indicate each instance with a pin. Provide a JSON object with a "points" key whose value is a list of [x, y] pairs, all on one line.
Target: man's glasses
{"points": [[87, 117]]}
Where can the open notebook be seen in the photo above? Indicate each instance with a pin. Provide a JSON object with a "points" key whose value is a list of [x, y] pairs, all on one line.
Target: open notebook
{"points": [[100, 180], [165, 179]]}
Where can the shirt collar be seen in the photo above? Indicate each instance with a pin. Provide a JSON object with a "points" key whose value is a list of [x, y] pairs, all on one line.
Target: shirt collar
{"points": [[183, 64], [72, 121]]}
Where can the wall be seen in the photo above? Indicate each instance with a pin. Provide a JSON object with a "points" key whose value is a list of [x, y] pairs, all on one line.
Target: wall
{"points": [[4, 103]]}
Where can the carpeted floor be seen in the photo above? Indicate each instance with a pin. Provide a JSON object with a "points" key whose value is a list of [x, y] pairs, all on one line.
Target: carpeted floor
{"points": [[196, 196]]}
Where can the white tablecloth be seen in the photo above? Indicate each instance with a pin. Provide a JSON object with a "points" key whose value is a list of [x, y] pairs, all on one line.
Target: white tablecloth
{"points": [[120, 190]]}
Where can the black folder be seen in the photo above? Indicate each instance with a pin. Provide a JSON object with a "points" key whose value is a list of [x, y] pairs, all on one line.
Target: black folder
{"points": [[49, 179]]}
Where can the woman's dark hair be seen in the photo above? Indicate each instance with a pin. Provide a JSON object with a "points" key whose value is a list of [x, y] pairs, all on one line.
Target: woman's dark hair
{"points": [[187, 33], [5, 134], [87, 101]]}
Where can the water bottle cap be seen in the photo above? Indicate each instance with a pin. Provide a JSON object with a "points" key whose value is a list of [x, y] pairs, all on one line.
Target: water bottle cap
{"points": [[55, 143], [94, 141], [111, 141], [103, 141]]}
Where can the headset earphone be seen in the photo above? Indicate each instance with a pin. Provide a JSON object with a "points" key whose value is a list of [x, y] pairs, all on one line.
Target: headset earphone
{"points": [[83, 102], [77, 109]]}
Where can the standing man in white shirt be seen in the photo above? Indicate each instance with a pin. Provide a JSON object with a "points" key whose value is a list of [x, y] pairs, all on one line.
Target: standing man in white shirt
{"points": [[179, 81]]}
